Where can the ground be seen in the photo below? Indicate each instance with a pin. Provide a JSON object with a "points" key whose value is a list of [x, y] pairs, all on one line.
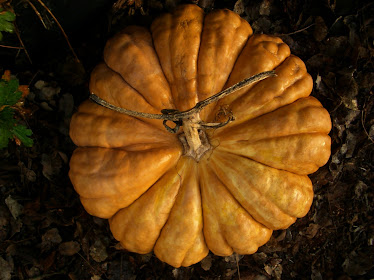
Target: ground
{"points": [[46, 234]]}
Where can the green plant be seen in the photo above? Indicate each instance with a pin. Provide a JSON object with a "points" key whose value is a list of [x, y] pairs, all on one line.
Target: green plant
{"points": [[11, 93], [6, 22]]}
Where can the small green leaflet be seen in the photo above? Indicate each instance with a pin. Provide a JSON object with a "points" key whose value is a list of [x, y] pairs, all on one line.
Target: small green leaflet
{"points": [[23, 134], [7, 122], [9, 93], [9, 128], [20, 131], [6, 22]]}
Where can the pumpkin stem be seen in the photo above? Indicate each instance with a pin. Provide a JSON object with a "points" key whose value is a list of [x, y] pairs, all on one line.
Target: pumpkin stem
{"points": [[193, 138]]}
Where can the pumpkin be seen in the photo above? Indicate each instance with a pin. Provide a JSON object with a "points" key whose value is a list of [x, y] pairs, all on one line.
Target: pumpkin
{"points": [[233, 171]]}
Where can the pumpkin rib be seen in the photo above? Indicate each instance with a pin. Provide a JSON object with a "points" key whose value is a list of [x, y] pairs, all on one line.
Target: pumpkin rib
{"points": [[223, 232], [178, 59], [107, 206], [234, 197], [306, 115], [249, 63], [275, 219], [115, 90], [138, 92], [139, 225], [285, 209], [216, 61], [99, 203], [101, 124], [243, 141], [139, 66], [273, 93], [93, 166], [298, 157], [116, 98], [180, 230], [198, 251]]}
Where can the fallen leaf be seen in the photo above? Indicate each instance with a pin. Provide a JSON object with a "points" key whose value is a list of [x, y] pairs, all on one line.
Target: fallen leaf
{"points": [[50, 238], [69, 248], [312, 230], [320, 29], [357, 264], [98, 251], [51, 165], [14, 207], [239, 7], [206, 263], [5, 270]]}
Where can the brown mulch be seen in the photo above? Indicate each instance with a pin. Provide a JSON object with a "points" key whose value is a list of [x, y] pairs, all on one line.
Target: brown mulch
{"points": [[46, 234]]}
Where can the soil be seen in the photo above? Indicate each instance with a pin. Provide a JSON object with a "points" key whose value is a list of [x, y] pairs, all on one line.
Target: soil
{"points": [[46, 234]]}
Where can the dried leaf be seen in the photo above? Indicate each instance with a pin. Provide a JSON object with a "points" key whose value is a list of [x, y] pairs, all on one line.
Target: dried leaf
{"points": [[320, 29], [51, 165], [14, 207], [5, 270], [312, 230], [239, 7], [357, 264], [50, 238], [206, 263], [265, 8], [98, 251], [69, 248], [49, 261]]}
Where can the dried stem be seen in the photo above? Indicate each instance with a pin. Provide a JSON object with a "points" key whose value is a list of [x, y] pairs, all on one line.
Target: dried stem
{"points": [[62, 30], [297, 31], [175, 115], [194, 138], [11, 47], [37, 13], [21, 42]]}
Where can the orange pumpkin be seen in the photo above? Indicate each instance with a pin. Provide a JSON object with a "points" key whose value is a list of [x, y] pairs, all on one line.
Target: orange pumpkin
{"points": [[162, 191]]}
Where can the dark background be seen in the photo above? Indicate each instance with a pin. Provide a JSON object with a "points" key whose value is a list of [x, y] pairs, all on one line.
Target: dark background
{"points": [[46, 234]]}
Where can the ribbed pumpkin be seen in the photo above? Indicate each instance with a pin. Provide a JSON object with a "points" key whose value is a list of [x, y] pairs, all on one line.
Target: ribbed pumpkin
{"points": [[252, 177]]}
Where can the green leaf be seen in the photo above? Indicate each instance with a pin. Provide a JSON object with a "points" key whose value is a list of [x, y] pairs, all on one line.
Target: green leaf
{"points": [[9, 128], [6, 117], [9, 93], [8, 16], [6, 21], [6, 26], [23, 133], [5, 135], [6, 125]]}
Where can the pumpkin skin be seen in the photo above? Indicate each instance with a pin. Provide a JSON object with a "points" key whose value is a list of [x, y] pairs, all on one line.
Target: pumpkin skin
{"points": [[253, 181]]}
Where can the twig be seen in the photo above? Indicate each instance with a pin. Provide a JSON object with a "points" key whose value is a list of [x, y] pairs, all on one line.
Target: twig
{"points": [[297, 31], [11, 47], [40, 277], [88, 263], [363, 118], [21, 42], [37, 13], [33, 77], [62, 30]]}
